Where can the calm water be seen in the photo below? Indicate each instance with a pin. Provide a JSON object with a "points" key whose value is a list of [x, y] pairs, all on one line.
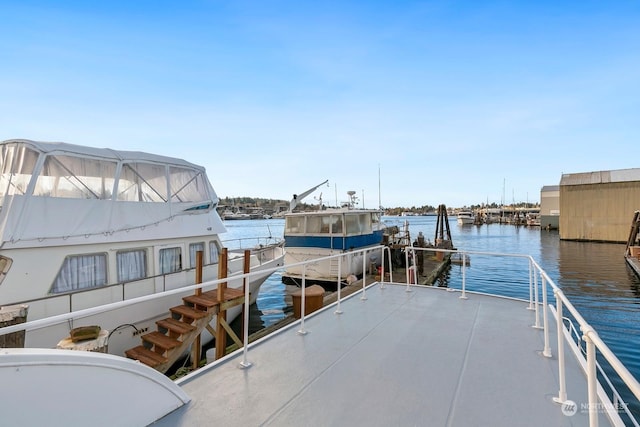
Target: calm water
{"points": [[594, 276]]}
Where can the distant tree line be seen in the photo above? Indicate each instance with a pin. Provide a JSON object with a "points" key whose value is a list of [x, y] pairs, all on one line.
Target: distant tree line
{"points": [[273, 204]]}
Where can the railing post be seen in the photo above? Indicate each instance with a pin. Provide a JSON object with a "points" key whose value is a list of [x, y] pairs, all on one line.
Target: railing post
{"points": [[547, 348], [408, 273], [339, 284], [531, 273], [364, 276], [382, 252], [245, 326], [562, 393], [592, 381], [536, 300], [388, 250], [464, 277], [302, 331]]}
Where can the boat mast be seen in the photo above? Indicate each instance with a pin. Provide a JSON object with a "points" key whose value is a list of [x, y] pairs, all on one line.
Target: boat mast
{"points": [[379, 193]]}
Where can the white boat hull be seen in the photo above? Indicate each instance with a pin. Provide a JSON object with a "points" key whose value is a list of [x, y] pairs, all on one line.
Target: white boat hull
{"points": [[126, 325]]}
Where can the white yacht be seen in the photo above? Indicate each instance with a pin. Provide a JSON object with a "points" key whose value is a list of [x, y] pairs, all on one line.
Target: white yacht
{"points": [[465, 218], [82, 227]]}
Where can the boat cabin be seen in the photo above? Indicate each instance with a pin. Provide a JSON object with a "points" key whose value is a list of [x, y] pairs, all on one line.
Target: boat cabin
{"points": [[344, 228]]}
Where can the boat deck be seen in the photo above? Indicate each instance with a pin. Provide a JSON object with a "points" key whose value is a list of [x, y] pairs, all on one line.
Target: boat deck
{"points": [[425, 357]]}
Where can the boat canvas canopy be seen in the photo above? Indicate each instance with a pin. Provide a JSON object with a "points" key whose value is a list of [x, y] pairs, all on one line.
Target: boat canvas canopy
{"points": [[89, 191]]}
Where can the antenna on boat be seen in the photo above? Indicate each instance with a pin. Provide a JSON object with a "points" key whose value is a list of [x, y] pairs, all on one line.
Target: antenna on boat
{"points": [[352, 199]]}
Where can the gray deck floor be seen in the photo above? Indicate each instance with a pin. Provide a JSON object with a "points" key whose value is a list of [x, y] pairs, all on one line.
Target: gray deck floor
{"points": [[420, 358]]}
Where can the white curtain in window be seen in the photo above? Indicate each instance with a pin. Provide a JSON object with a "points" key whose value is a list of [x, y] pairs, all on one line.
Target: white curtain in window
{"points": [[170, 260], [132, 265], [193, 248], [81, 272], [213, 252]]}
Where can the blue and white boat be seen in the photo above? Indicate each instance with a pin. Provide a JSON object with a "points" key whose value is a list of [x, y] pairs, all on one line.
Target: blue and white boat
{"points": [[325, 232]]}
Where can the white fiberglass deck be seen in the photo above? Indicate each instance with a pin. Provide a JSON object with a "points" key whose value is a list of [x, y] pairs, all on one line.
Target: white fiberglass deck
{"points": [[400, 358]]}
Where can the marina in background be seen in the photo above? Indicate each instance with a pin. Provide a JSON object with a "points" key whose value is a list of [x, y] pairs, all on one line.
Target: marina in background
{"points": [[594, 276]]}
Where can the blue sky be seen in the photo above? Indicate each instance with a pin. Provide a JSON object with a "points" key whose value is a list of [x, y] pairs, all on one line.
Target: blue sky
{"points": [[448, 102]]}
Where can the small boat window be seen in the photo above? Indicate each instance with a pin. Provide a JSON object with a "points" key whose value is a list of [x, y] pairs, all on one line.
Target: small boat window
{"points": [[367, 223], [294, 224], [314, 225], [76, 178], [193, 248], [5, 265], [214, 250], [336, 224], [17, 163], [143, 182], [187, 185], [353, 224], [81, 272], [170, 260], [132, 265]]}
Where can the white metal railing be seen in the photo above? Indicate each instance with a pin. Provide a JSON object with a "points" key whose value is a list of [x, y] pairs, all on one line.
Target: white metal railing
{"points": [[618, 401], [592, 341], [250, 242], [266, 249]]}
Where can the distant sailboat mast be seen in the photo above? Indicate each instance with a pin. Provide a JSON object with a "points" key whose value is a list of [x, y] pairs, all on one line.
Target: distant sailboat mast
{"points": [[379, 192]]}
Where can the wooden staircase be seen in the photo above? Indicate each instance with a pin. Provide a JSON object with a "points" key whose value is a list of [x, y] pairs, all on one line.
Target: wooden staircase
{"points": [[175, 335]]}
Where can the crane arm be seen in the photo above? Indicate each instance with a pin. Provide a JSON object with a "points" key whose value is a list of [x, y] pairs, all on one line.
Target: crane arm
{"points": [[298, 197]]}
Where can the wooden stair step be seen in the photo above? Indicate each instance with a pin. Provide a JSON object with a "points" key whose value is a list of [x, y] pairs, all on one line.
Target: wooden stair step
{"points": [[161, 340], [229, 293], [146, 356], [175, 325], [203, 300], [186, 311]]}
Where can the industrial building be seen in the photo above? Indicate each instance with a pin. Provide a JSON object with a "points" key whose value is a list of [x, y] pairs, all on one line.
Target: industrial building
{"points": [[550, 207], [598, 206]]}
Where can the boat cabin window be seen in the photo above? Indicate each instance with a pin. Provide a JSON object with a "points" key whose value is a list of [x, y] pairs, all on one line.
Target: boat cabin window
{"points": [[17, 163], [314, 225], [75, 178], [294, 224], [187, 185], [5, 265], [358, 224], [131, 265], [336, 224], [214, 250], [142, 182], [81, 272], [193, 248], [170, 260]]}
